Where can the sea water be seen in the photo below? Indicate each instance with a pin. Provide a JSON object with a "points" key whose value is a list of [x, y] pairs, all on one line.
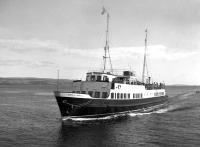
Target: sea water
{"points": [[29, 116]]}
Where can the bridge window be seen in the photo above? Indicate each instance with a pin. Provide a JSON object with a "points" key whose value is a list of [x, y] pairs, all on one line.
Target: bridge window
{"points": [[105, 78], [104, 94], [92, 77], [97, 94], [83, 92], [77, 91], [112, 95], [129, 95], [117, 95], [90, 93], [112, 85], [122, 95], [98, 78]]}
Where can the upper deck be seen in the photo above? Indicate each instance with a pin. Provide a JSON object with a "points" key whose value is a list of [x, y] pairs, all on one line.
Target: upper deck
{"points": [[99, 84]]}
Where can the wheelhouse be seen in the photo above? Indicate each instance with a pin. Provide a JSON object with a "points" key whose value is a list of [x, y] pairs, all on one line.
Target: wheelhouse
{"points": [[99, 77]]}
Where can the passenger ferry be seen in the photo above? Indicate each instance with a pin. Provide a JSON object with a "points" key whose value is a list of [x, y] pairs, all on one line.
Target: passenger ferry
{"points": [[105, 93]]}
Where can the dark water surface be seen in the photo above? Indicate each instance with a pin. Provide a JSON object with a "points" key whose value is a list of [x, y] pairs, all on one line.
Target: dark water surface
{"points": [[29, 116]]}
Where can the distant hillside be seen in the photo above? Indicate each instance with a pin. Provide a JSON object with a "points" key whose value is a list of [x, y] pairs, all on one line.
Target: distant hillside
{"points": [[182, 85], [32, 81]]}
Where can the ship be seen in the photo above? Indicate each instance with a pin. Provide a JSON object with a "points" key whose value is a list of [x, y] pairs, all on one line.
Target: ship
{"points": [[106, 93]]}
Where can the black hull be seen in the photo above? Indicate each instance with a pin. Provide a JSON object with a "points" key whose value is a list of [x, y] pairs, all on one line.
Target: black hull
{"points": [[79, 107], [88, 108]]}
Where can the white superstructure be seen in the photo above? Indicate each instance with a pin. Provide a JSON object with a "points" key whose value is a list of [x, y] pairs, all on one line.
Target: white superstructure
{"points": [[109, 86]]}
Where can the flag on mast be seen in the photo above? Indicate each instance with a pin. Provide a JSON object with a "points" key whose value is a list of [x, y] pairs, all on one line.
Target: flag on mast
{"points": [[103, 11]]}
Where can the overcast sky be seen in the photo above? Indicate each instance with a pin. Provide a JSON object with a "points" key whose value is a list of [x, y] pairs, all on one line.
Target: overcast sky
{"points": [[38, 37]]}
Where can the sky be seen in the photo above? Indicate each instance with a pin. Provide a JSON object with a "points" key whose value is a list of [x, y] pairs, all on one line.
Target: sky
{"points": [[39, 37]]}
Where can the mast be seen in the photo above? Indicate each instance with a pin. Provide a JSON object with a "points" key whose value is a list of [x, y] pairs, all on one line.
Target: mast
{"points": [[106, 48], [145, 62]]}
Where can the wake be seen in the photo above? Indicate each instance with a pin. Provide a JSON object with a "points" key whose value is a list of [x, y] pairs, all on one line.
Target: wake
{"points": [[184, 101]]}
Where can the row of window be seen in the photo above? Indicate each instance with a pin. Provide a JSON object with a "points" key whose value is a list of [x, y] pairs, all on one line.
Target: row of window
{"points": [[125, 95], [95, 94], [158, 93], [97, 78]]}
